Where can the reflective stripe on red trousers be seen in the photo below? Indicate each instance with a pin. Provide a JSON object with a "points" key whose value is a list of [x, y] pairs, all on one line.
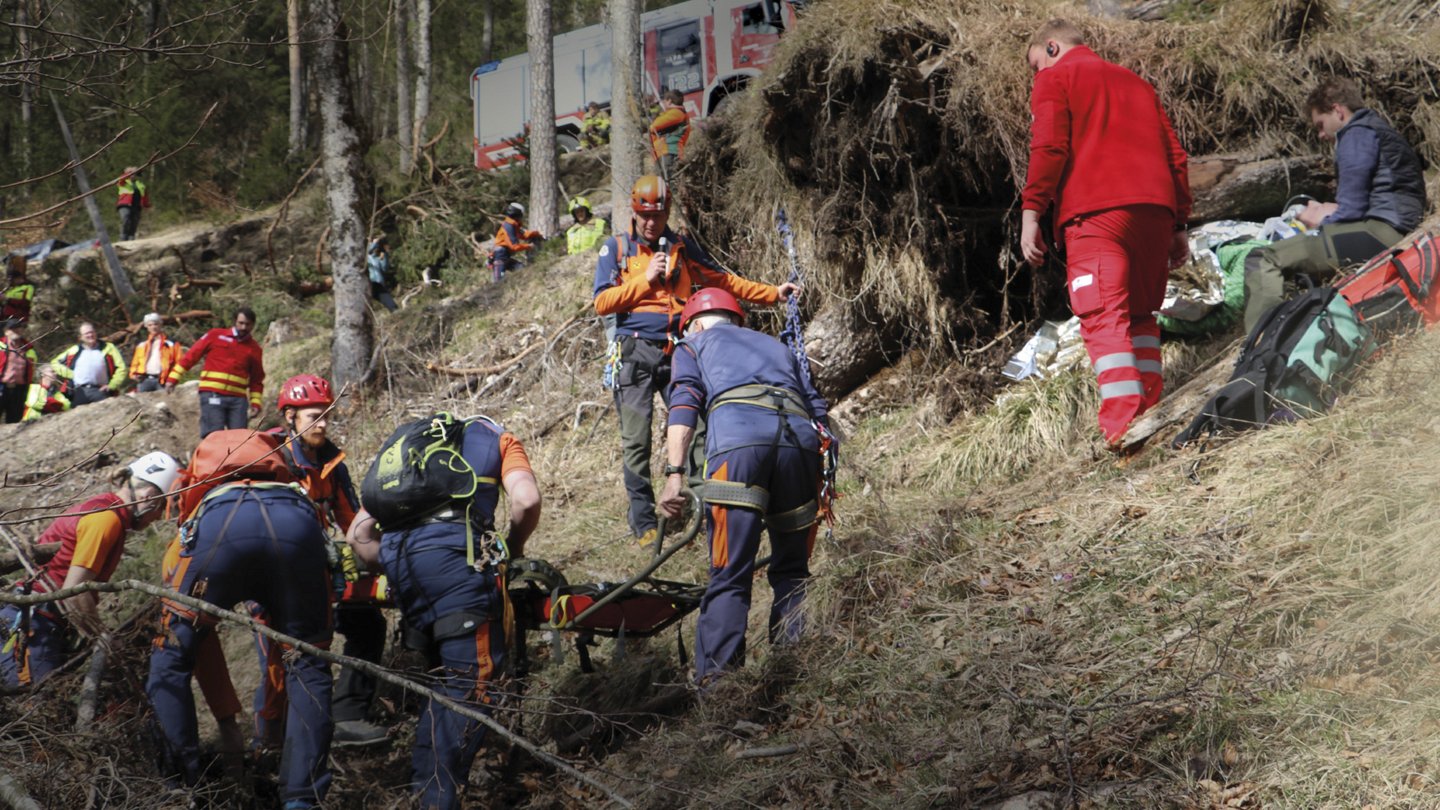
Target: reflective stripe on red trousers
{"points": [[1117, 265]]}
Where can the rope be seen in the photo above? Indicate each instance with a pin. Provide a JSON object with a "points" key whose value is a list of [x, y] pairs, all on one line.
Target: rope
{"points": [[793, 336]]}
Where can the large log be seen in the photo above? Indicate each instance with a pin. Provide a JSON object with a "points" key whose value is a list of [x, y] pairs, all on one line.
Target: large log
{"points": [[846, 345], [1251, 187]]}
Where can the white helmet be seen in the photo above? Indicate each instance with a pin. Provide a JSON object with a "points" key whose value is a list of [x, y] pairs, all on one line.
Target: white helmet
{"points": [[158, 469]]}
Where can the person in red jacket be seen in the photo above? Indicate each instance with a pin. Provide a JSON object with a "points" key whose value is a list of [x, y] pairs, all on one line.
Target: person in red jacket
{"points": [[1105, 160], [234, 371]]}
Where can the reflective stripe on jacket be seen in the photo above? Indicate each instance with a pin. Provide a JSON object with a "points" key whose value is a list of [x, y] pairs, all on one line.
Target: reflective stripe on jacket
{"points": [[170, 353], [64, 365], [132, 194], [233, 367]]}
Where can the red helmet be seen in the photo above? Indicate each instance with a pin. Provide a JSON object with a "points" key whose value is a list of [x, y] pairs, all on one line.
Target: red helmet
{"points": [[710, 299], [650, 194], [305, 391]]}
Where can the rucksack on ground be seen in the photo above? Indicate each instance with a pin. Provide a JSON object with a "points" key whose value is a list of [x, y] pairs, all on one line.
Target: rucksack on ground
{"points": [[230, 455], [1294, 363], [418, 472], [1396, 292]]}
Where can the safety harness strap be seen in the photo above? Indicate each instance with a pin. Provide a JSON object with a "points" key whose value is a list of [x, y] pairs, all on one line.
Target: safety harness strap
{"points": [[793, 520], [775, 398], [737, 493]]}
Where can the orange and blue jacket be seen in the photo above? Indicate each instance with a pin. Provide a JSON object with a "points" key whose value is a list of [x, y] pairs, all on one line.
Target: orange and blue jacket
{"points": [[234, 367], [512, 237], [64, 365], [669, 132], [132, 194], [326, 481], [170, 353], [652, 311]]}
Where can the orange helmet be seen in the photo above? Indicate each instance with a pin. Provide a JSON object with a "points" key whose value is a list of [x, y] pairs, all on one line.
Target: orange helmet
{"points": [[710, 299], [305, 391], [650, 194]]}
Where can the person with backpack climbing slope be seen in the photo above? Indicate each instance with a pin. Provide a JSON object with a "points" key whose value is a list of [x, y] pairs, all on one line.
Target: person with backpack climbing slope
{"points": [[446, 569], [762, 460], [1379, 192], [669, 132], [319, 468], [1104, 157], [234, 372], [644, 278], [247, 534], [512, 239], [91, 535]]}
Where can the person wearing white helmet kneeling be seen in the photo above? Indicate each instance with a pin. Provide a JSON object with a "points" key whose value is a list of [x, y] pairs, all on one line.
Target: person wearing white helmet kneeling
{"points": [[91, 535]]}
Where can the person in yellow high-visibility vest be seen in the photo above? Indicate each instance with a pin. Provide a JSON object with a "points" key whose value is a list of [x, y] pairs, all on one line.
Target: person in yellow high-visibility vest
{"points": [[588, 231], [133, 198]]}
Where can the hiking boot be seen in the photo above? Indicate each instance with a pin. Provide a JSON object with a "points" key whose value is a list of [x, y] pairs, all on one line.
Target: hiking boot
{"points": [[357, 733], [650, 541]]}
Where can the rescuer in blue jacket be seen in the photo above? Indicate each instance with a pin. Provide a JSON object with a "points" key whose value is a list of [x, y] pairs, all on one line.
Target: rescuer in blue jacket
{"points": [[454, 610], [261, 542], [762, 460]]}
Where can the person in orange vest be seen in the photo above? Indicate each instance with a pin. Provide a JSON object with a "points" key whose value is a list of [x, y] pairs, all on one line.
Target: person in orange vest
{"points": [[234, 370], [17, 370], [133, 198], [644, 279], [153, 359], [91, 535], [512, 239], [92, 369], [19, 292], [669, 132]]}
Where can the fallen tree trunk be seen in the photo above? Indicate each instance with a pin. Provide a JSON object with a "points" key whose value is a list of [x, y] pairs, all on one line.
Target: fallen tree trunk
{"points": [[39, 555], [846, 345], [1249, 187]]}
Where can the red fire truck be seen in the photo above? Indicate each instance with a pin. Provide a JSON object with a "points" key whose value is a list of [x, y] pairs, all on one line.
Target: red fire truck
{"points": [[706, 49]]}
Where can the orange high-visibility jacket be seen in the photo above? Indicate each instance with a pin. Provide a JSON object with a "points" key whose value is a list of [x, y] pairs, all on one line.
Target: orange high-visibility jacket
{"points": [[170, 352]]}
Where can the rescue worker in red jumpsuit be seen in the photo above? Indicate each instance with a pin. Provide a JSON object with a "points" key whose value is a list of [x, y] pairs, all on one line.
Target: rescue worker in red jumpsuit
{"points": [[1104, 156]]}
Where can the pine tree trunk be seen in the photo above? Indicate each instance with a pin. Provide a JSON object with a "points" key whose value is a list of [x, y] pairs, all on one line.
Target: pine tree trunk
{"points": [[344, 174], [422, 70], [298, 134], [544, 215], [487, 31], [627, 125], [404, 113]]}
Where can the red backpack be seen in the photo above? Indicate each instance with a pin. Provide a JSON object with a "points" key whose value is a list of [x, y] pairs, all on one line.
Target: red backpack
{"points": [[1397, 291], [230, 455]]}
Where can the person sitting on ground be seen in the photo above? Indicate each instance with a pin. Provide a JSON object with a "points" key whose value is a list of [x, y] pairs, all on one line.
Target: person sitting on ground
{"points": [[761, 438], [17, 370], [19, 292], [595, 128], [92, 369], [669, 132], [377, 264], [45, 396], [1379, 192], [456, 607], [91, 535], [155, 356], [234, 370], [588, 231], [511, 240]]}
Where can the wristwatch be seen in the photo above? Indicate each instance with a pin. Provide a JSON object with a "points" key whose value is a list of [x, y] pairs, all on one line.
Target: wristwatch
{"points": [[673, 469]]}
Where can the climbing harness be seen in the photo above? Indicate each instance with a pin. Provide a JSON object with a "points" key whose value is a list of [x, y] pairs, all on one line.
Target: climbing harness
{"points": [[793, 335]]}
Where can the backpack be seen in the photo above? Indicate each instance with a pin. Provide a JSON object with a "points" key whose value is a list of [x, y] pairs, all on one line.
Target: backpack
{"points": [[1396, 292], [419, 471], [230, 455], [1293, 364]]}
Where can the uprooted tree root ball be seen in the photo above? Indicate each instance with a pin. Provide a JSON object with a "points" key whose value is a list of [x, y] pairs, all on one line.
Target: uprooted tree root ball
{"points": [[895, 134]]}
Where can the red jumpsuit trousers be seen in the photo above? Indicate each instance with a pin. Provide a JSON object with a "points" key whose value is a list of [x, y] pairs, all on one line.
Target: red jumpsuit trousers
{"points": [[1116, 268]]}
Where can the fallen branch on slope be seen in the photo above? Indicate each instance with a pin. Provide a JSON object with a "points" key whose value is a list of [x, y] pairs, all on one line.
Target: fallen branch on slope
{"points": [[373, 670]]}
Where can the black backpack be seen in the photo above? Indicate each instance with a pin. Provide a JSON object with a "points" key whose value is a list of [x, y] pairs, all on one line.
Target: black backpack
{"points": [[419, 472], [1293, 363]]}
